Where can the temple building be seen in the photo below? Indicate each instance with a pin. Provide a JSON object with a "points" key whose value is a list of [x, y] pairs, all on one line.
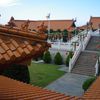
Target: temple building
{"points": [[54, 24], [93, 23]]}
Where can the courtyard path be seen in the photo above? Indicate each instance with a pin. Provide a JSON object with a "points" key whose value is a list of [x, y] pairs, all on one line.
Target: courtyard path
{"points": [[69, 84]]}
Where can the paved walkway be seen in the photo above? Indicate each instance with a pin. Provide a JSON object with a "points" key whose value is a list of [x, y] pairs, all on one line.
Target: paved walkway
{"points": [[69, 84], [63, 68]]}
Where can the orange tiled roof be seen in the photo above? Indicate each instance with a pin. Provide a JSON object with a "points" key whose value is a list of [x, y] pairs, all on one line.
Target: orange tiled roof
{"points": [[93, 93], [54, 24], [17, 45], [14, 90], [95, 22]]}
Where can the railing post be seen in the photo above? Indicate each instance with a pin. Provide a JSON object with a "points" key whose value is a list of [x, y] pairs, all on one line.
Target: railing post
{"points": [[70, 65], [97, 68]]}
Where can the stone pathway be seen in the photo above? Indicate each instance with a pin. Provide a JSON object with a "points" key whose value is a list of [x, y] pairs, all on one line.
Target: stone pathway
{"points": [[69, 84], [63, 68]]}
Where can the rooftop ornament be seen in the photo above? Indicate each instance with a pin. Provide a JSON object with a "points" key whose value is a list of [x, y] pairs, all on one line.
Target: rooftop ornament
{"points": [[42, 28], [11, 23], [25, 25]]}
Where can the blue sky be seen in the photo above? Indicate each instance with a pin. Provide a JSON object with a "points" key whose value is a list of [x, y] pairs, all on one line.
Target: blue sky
{"points": [[59, 9]]}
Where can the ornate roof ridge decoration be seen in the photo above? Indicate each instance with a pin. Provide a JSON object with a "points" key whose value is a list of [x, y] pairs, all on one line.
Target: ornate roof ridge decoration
{"points": [[25, 25], [19, 32], [11, 23], [42, 28]]}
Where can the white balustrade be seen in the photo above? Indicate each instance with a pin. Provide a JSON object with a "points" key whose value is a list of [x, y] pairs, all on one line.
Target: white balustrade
{"points": [[96, 68], [75, 57], [86, 41]]}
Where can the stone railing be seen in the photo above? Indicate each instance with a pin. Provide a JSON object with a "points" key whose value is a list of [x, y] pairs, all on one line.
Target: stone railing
{"points": [[86, 41], [97, 66], [75, 57]]}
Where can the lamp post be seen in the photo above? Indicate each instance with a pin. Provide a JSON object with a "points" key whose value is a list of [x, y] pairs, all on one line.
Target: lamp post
{"points": [[0, 15], [75, 25], [48, 18], [81, 39], [74, 45], [87, 27]]}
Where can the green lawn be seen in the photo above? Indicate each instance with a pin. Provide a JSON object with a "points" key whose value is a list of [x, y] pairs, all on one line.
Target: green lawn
{"points": [[43, 74]]}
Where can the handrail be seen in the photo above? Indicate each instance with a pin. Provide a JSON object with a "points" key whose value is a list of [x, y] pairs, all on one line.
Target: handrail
{"points": [[86, 41], [74, 58], [96, 68]]}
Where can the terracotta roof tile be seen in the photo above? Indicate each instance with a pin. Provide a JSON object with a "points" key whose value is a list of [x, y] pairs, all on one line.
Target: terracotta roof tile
{"points": [[23, 45], [2, 50], [6, 56], [16, 53], [4, 46], [2, 59], [1, 41], [26, 51], [10, 54], [14, 43], [20, 50], [14, 90], [26, 42], [11, 46]]}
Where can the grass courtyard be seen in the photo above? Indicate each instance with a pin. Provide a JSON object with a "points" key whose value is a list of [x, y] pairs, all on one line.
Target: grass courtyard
{"points": [[43, 74]]}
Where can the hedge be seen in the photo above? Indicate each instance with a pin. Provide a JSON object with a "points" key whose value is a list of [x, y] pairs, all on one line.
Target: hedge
{"points": [[58, 59], [47, 57], [88, 83]]}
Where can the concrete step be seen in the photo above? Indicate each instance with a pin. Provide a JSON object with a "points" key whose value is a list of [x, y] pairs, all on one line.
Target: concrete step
{"points": [[85, 64], [93, 44]]}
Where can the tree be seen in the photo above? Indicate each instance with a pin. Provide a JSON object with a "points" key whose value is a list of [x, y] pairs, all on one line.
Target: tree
{"points": [[58, 30], [75, 32], [65, 31], [58, 59], [65, 35], [51, 31], [47, 57]]}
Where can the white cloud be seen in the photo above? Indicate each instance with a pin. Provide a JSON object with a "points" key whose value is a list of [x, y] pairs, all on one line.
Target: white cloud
{"points": [[5, 3]]}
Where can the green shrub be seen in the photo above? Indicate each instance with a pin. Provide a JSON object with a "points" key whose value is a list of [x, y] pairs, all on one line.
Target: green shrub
{"points": [[67, 60], [58, 59], [87, 83], [47, 57], [70, 55]]}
